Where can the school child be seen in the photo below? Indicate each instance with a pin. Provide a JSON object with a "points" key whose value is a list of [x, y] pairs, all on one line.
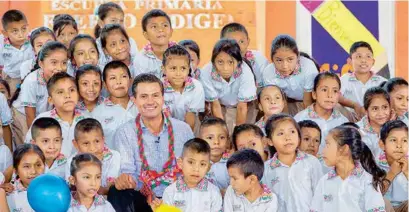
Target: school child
{"points": [[63, 94], [15, 47], [246, 193], [310, 137], [38, 38], [323, 112], [194, 52], [355, 84], [398, 91], [291, 174], [89, 138], [118, 107], [28, 163], [184, 95], [255, 58], [5, 89], [46, 134], [83, 51], [157, 29], [193, 191], [5, 122], [271, 100], [65, 28], [354, 182], [378, 112], [85, 196], [31, 99], [89, 82], [214, 131], [250, 136], [229, 84], [110, 13], [293, 73]]}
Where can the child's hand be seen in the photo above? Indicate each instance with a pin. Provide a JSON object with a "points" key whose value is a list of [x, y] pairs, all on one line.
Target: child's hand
{"points": [[403, 162], [8, 187], [395, 168], [125, 181], [359, 110], [155, 204]]}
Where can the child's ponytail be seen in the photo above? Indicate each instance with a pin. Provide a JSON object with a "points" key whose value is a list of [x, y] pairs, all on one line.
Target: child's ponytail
{"points": [[369, 164]]}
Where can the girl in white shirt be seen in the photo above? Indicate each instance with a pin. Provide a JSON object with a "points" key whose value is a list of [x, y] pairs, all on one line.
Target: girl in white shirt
{"points": [[194, 52], [83, 50], [86, 177], [65, 28], [398, 91], [89, 82], [354, 184], [291, 174], [29, 162]]}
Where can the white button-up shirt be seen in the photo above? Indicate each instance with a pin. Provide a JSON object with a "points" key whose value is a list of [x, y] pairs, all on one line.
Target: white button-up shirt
{"points": [[369, 136], [6, 159], [17, 200], [355, 193], [26, 67], [267, 202], [13, 57], [5, 115], [99, 205], [258, 63], [218, 174], [58, 167]]}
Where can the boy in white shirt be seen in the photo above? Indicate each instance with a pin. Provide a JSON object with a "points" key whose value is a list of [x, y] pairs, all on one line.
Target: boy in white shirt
{"points": [[245, 192], [193, 192]]}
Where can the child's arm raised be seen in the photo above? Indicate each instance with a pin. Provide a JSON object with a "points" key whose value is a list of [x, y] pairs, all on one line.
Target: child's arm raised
{"points": [[359, 110]]}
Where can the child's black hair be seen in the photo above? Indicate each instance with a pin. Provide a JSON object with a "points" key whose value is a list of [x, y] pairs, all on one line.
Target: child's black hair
{"points": [[22, 149], [359, 44], [373, 92], [233, 27], [392, 125], [56, 78], [76, 40], [310, 124], [43, 124], [39, 31], [317, 65], [283, 41], [176, 50], [228, 46], [154, 14], [79, 159], [87, 125], [392, 83], [60, 21], [45, 51], [12, 16], [146, 78], [103, 11], [192, 46], [6, 85], [114, 65], [211, 121], [196, 145], [245, 128], [248, 161], [325, 75], [87, 68], [359, 151], [108, 28], [350, 124]]}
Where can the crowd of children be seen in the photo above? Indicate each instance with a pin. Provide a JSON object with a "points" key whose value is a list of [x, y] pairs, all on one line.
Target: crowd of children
{"points": [[277, 136]]}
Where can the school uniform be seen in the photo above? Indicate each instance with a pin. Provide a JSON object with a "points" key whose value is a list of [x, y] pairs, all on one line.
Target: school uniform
{"points": [[83, 108], [99, 205], [355, 193], [240, 88], [2, 178], [17, 200], [196, 73], [267, 202], [192, 99], [12, 59], [204, 197], [294, 185], [369, 136], [218, 174], [5, 115], [6, 158], [334, 120], [404, 118], [26, 67], [58, 167], [110, 166], [67, 130], [294, 86], [111, 116], [262, 125], [258, 62]]}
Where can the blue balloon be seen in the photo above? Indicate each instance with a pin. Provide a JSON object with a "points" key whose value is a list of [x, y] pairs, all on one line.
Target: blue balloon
{"points": [[49, 193]]}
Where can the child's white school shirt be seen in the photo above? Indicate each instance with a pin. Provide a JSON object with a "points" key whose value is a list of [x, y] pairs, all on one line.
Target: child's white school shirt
{"points": [[398, 190], [67, 130], [58, 167], [218, 174], [5, 115], [262, 125], [267, 202], [369, 136], [99, 205], [17, 200], [111, 116], [83, 108], [26, 67], [404, 118], [294, 86], [110, 166], [33, 93], [355, 193], [258, 63], [205, 197], [6, 158], [13, 57], [240, 88], [190, 100], [334, 120], [294, 185], [104, 58], [354, 90]]}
